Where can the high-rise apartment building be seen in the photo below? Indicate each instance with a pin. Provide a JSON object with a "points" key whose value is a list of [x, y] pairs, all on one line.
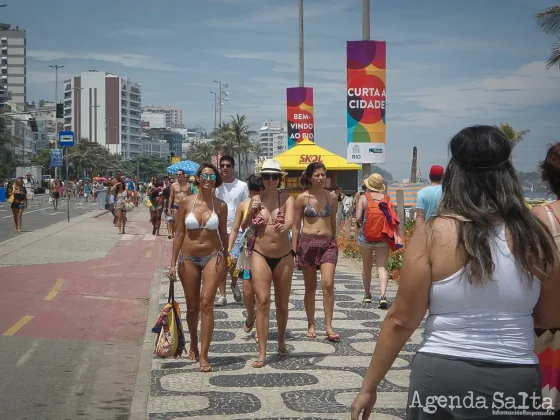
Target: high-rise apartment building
{"points": [[173, 116], [13, 54], [267, 133], [105, 109]]}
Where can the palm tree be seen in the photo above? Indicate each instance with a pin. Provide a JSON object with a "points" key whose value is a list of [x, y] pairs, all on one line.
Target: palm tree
{"points": [[514, 136], [241, 133], [549, 22], [200, 152]]}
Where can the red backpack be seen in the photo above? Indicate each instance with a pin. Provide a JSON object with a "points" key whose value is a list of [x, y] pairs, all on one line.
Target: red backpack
{"points": [[374, 219]]}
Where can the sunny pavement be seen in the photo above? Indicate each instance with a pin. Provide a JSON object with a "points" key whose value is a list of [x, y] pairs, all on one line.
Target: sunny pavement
{"points": [[40, 214], [73, 314], [319, 380]]}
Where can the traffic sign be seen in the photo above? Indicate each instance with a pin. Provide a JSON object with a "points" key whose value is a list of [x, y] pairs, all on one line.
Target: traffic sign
{"points": [[66, 138]]}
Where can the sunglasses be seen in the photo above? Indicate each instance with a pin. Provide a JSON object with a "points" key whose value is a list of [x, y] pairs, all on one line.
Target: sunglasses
{"points": [[205, 177], [226, 165], [274, 177]]}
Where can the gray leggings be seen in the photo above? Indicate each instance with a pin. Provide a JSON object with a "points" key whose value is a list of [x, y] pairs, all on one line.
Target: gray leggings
{"points": [[442, 388]]}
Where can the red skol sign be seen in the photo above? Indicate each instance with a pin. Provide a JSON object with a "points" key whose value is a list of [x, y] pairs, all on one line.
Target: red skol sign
{"points": [[309, 158]]}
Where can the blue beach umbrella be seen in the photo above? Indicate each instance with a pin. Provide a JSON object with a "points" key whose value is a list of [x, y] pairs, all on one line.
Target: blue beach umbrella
{"points": [[188, 166]]}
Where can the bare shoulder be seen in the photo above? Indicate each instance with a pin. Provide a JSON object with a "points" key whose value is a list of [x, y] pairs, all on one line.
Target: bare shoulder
{"points": [[539, 212], [333, 195], [441, 232], [304, 195], [220, 203], [286, 198], [186, 201]]}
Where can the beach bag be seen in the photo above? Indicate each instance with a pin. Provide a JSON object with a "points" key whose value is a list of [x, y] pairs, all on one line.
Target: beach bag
{"points": [[374, 220], [129, 206], [243, 267], [170, 339]]}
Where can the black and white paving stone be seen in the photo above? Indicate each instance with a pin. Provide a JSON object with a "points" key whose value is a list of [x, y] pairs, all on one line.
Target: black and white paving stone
{"points": [[318, 380]]}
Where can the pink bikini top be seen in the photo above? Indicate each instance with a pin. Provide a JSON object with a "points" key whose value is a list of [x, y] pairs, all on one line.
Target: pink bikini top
{"points": [[258, 218]]}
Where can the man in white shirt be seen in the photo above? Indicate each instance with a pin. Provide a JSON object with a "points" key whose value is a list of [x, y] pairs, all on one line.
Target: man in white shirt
{"points": [[233, 192]]}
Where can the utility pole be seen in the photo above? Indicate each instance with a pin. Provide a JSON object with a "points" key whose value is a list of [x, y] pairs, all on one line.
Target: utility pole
{"points": [[301, 49], [222, 96], [55, 67], [215, 112], [366, 167]]}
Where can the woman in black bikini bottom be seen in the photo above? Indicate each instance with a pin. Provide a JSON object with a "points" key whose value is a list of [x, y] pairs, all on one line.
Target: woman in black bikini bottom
{"points": [[272, 214]]}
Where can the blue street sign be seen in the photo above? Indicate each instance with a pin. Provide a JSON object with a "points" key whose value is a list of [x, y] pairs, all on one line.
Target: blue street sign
{"points": [[56, 157], [66, 139]]}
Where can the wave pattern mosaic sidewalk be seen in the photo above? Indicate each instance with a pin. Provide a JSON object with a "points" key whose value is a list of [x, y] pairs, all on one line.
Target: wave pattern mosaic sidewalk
{"points": [[318, 380]]}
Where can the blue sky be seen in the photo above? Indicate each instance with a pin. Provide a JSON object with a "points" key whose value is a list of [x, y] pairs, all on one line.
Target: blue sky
{"points": [[451, 63]]}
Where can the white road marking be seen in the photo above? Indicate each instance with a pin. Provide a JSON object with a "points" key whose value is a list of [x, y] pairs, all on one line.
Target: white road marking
{"points": [[32, 211], [26, 356]]}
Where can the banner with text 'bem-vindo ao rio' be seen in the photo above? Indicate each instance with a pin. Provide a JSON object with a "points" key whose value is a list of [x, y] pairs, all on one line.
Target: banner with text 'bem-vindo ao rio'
{"points": [[300, 115], [366, 63]]}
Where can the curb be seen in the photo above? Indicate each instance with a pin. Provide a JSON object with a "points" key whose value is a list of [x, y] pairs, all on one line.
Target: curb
{"points": [[139, 406]]}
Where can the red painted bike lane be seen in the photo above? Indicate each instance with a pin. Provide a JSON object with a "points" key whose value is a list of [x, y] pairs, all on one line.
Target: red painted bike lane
{"points": [[98, 300]]}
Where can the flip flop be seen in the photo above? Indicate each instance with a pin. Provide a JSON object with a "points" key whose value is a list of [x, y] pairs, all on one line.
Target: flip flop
{"points": [[311, 335], [258, 364], [283, 352], [205, 369], [333, 337], [249, 327]]}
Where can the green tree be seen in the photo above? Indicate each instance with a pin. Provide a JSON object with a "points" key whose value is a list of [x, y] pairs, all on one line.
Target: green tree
{"points": [[145, 167], [514, 136], [201, 152], [549, 22]]}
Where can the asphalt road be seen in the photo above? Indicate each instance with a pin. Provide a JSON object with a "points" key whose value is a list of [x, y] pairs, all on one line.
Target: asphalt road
{"points": [[40, 214]]}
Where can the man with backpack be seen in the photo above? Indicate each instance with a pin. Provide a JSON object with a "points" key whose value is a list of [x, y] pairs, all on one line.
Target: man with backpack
{"points": [[379, 233]]}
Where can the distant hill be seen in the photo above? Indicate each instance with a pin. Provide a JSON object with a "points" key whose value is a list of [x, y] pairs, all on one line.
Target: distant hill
{"points": [[377, 170], [531, 179]]}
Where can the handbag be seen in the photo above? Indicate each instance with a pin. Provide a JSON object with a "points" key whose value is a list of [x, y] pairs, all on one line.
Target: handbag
{"points": [[170, 339], [129, 206]]}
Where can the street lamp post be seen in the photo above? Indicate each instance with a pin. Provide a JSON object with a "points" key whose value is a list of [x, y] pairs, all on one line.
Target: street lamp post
{"points": [[301, 49], [221, 95], [215, 111], [55, 67], [366, 167]]}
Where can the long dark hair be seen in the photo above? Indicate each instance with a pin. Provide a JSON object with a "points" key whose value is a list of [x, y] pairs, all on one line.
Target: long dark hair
{"points": [[306, 176], [205, 165], [550, 168], [480, 191]]}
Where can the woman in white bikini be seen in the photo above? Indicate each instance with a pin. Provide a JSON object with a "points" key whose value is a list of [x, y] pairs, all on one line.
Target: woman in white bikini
{"points": [[272, 214], [200, 237]]}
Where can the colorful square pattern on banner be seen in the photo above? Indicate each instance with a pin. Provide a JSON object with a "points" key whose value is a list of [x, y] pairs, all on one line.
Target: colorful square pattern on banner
{"points": [[366, 63], [300, 115]]}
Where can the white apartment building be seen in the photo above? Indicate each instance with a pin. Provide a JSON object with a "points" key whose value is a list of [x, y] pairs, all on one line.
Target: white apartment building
{"points": [[105, 109], [266, 138], [173, 115], [280, 143], [153, 120], [13, 52]]}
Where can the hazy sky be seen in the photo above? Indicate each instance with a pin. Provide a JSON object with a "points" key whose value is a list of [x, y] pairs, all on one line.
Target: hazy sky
{"points": [[451, 63]]}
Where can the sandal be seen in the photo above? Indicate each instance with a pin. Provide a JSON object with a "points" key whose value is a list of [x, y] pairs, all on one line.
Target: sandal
{"points": [[283, 352], [206, 369], [311, 334], [258, 364], [333, 337], [249, 327], [193, 355]]}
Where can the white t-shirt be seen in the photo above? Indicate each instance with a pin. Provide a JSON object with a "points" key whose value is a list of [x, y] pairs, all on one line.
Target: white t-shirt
{"points": [[233, 193]]}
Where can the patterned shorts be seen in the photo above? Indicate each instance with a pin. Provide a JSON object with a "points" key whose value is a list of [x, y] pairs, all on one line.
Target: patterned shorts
{"points": [[314, 250]]}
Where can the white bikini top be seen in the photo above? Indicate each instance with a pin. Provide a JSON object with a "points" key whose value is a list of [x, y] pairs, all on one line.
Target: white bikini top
{"points": [[191, 222]]}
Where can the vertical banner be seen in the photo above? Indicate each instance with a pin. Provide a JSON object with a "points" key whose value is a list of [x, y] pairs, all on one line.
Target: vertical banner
{"points": [[300, 115], [366, 63], [56, 158]]}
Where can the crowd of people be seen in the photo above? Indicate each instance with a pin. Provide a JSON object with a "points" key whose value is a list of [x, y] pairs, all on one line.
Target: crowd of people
{"points": [[481, 264]]}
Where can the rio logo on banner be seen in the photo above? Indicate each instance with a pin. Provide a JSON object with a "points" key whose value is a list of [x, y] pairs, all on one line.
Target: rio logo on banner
{"points": [[366, 63], [300, 115]]}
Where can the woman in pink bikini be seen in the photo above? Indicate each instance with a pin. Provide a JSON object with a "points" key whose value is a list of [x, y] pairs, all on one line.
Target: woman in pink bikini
{"points": [[316, 246], [272, 214]]}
